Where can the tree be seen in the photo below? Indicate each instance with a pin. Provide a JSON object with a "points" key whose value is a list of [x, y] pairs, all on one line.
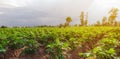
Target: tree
{"points": [[113, 15], [4, 27], [60, 25], [82, 18], [104, 21], [97, 23], [116, 23], [68, 20], [76, 25], [86, 22]]}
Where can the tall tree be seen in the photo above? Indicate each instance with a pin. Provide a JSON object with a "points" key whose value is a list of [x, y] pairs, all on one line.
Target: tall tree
{"points": [[82, 18], [86, 22], [113, 15]]}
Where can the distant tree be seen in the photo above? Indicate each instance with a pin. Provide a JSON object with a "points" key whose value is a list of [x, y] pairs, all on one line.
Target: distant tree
{"points": [[60, 25], [115, 23], [113, 15], [86, 23], [97, 23], [76, 25], [68, 20], [16, 27], [104, 21], [4, 27], [82, 18], [118, 23]]}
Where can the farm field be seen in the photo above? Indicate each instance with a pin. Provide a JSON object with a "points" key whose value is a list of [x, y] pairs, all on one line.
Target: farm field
{"points": [[59, 29], [60, 43]]}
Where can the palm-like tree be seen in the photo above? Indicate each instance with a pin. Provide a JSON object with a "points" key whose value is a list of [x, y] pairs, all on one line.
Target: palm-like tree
{"points": [[68, 20]]}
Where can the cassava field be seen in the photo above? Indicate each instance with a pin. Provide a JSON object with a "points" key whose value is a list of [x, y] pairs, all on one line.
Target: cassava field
{"points": [[60, 43]]}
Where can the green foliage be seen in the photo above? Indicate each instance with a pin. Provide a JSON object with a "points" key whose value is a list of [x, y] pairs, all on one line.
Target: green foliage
{"points": [[59, 41]]}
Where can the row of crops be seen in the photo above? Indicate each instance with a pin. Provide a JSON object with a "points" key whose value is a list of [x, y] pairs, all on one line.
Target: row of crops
{"points": [[62, 43]]}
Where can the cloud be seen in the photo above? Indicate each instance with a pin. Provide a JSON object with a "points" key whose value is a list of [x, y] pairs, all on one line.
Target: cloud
{"points": [[28, 17], [40, 12], [21, 16]]}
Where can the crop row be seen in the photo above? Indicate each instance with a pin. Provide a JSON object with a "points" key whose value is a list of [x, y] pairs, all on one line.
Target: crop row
{"points": [[60, 43]]}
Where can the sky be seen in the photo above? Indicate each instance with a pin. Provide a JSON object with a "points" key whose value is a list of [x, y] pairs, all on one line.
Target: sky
{"points": [[52, 12]]}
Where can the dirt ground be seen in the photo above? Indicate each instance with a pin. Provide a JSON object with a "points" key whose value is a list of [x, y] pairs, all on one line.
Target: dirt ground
{"points": [[41, 55]]}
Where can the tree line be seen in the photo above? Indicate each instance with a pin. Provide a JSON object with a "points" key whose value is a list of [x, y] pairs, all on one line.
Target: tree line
{"points": [[106, 21]]}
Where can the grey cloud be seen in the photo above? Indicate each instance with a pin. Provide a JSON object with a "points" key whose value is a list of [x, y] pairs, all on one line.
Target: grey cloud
{"points": [[22, 13], [27, 16], [43, 12]]}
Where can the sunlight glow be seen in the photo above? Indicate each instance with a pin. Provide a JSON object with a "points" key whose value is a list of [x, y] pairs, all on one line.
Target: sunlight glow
{"points": [[100, 8]]}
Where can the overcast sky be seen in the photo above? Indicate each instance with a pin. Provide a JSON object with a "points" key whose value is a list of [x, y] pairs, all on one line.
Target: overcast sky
{"points": [[52, 12]]}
